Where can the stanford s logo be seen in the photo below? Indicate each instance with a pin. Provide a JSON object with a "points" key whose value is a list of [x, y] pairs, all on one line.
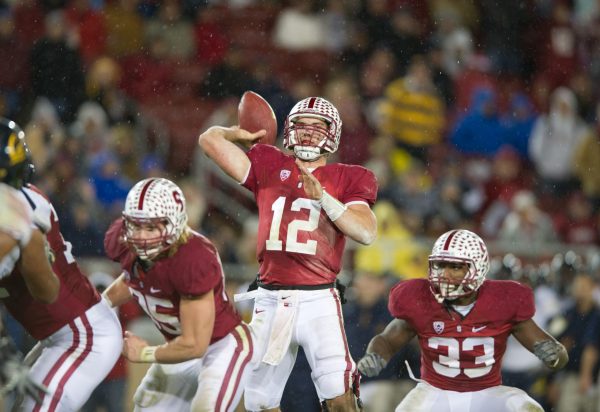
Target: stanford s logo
{"points": [[177, 199], [438, 327], [284, 174]]}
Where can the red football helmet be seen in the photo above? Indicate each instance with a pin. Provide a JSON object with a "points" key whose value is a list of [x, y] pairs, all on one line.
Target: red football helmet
{"points": [[318, 108], [154, 200], [458, 246]]}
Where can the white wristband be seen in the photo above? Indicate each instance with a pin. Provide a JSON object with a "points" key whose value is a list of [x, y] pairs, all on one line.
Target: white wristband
{"points": [[333, 207], [148, 354]]}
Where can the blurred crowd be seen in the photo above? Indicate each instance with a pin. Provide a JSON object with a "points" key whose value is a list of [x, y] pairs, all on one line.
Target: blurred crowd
{"points": [[483, 115]]}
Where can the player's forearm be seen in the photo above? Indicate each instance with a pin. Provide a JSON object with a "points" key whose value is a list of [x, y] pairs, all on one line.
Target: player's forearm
{"points": [[219, 144], [358, 226], [180, 349], [382, 347], [117, 293], [41, 281]]}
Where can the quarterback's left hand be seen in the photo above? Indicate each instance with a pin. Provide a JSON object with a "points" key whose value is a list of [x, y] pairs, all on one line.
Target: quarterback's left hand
{"points": [[312, 186], [132, 347]]}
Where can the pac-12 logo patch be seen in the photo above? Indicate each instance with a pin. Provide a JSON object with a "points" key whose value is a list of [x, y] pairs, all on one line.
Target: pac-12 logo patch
{"points": [[284, 174], [438, 327]]}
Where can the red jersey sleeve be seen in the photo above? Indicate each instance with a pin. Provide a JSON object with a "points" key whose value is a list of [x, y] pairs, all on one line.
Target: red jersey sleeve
{"points": [[198, 270], [523, 296], [399, 297], [114, 245], [362, 186], [260, 155]]}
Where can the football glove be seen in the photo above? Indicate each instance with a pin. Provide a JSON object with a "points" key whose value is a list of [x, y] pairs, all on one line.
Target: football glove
{"points": [[14, 375], [547, 351], [371, 364]]}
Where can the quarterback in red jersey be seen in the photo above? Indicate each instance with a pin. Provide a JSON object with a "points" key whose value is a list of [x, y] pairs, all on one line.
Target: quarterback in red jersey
{"points": [[175, 275], [462, 322], [306, 209], [80, 337]]}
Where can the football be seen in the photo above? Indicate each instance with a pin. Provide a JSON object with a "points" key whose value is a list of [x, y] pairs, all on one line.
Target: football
{"points": [[255, 113]]}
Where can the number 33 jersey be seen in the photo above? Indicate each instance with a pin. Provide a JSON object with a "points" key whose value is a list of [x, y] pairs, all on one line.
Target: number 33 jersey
{"points": [[297, 243], [462, 354]]}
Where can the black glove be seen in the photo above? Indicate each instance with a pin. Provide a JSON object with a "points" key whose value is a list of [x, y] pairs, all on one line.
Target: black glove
{"points": [[14, 375]]}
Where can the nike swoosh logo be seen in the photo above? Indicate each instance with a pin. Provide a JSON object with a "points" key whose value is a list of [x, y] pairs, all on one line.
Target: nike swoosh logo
{"points": [[284, 297], [257, 311], [475, 330], [152, 290]]}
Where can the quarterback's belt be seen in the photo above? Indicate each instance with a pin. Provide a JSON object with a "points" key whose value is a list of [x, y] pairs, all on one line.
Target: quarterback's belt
{"points": [[295, 287]]}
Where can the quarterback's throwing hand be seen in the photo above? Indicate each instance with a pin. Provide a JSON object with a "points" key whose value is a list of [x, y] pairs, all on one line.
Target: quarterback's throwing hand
{"points": [[371, 364], [132, 347]]}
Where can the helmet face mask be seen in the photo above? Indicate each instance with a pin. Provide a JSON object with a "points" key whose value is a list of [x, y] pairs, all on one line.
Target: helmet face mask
{"points": [[299, 132], [454, 250], [15, 160], [154, 217]]}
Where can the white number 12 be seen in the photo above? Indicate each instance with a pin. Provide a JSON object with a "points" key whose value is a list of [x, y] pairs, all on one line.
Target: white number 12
{"points": [[291, 242]]}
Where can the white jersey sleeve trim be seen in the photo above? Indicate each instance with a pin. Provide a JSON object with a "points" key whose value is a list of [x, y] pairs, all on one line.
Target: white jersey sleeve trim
{"points": [[357, 202], [246, 175]]}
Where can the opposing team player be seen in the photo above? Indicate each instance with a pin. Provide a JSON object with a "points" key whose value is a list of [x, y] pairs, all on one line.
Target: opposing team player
{"points": [[80, 336], [16, 227], [306, 209], [462, 322], [175, 274]]}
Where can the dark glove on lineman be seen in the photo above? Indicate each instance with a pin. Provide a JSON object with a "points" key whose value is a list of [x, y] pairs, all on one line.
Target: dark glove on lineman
{"points": [[371, 364], [14, 376], [547, 351]]}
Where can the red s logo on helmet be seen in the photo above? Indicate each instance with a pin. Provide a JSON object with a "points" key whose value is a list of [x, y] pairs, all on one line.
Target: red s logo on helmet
{"points": [[177, 199]]}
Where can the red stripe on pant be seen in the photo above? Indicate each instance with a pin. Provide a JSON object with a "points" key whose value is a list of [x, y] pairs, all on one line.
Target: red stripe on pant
{"points": [[229, 373], [51, 374], [347, 357], [88, 348], [244, 363]]}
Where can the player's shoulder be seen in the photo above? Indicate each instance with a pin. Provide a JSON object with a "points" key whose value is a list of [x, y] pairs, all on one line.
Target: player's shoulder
{"points": [[114, 244], [505, 288], [261, 152], [409, 289], [40, 205], [197, 250], [353, 170]]}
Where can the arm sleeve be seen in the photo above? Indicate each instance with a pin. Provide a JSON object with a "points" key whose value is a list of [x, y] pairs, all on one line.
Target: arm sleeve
{"points": [[526, 304], [397, 303], [361, 186], [198, 274], [114, 245]]}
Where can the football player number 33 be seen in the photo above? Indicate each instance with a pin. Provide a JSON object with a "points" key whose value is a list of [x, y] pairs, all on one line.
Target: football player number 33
{"points": [[450, 365], [295, 226]]}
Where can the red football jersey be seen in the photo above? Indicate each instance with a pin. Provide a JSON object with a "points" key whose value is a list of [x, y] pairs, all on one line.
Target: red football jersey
{"points": [[462, 354], [192, 271], [76, 293], [297, 243]]}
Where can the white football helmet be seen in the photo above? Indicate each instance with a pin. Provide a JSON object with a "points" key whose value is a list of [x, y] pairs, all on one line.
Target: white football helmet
{"points": [[318, 108], [154, 200], [461, 246]]}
